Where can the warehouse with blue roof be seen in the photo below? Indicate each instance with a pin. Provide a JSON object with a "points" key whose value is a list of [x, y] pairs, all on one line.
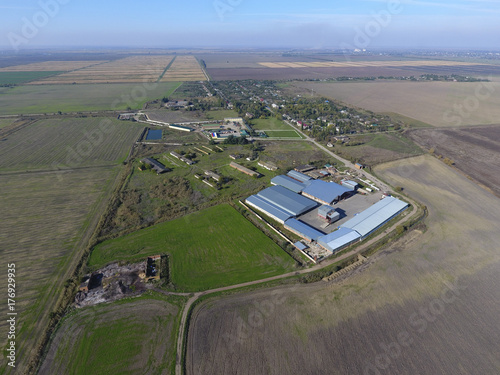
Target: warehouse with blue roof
{"points": [[326, 192], [303, 230], [301, 177], [289, 183], [339, 239], [375, 216], [269, 209]]}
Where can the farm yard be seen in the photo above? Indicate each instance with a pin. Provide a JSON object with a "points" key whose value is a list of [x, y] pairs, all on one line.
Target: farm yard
{"points": [[475, 151], [126, 337], [34, 99], [430, 102], [406, 295], [207, 249], [45, 223], [184, 68], [134, 69], [62, 144]]}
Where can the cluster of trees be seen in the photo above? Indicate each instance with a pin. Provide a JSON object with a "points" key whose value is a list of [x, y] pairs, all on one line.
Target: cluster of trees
{"points": [[232, 140]]}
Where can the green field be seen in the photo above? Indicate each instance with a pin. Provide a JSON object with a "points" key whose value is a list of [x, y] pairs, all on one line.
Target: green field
{"points": [[68, 143], [208, 249], [283, 134], [78, 98], [117, 338], [221, 114], [45, 221], [22, 77], [269, 124]]}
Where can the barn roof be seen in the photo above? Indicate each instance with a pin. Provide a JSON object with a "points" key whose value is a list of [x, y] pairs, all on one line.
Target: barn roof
{"points": [[338, 239], [288, 183], [325, 191], [303, 229], [376, 215], [287, 200]]}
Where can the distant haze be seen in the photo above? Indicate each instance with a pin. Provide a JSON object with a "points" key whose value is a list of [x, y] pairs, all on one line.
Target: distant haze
{"points": [[251, 23]]}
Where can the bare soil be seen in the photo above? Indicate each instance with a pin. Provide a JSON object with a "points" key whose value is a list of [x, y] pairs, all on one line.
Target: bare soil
{"points": [[475, 151]]}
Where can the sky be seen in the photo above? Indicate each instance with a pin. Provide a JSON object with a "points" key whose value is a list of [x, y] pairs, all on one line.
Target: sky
{"points": [[311, 24]]}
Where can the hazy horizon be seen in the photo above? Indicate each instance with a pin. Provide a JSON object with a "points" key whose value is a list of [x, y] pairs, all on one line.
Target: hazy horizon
{"points": [[317, 24]]}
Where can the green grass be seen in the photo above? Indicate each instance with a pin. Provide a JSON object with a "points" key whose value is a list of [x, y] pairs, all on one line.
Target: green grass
{"points": [[6, 122], [269, 124], [78, 98], [407, 120], [118, 338], [68, 143], [221, 114], [394, 143], [208, 249], [283, 134], [22, 77]]}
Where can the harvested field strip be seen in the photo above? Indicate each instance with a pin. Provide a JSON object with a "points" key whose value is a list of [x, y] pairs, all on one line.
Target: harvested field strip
{"points": [[167, 68], [50, 66], [365, 64], [202, 254], [184, 68], [45, 223], [117, 338], [129, 69], [67, 143]]}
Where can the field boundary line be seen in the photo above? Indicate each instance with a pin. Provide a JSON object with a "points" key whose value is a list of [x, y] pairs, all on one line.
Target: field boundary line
{"points": [[165, 71]]}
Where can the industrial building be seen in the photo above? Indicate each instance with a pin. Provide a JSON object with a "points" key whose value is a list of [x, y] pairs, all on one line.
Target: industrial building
{"points": [[339, 239], [287, 200], [181, 128], [156, 165], [350, 184], [301, 177], [375, 216], [326, 192], [328, 213], [269, 209], [244, 169], [288, 183], [303, 230]]}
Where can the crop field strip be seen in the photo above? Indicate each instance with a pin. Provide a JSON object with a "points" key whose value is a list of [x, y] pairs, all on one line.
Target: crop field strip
{"points": [[184, 68], [35, 99], [333, 64], [51, 66], [45, 221], [342, 325], [134, 69], [117, 338], [67, 143]]}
